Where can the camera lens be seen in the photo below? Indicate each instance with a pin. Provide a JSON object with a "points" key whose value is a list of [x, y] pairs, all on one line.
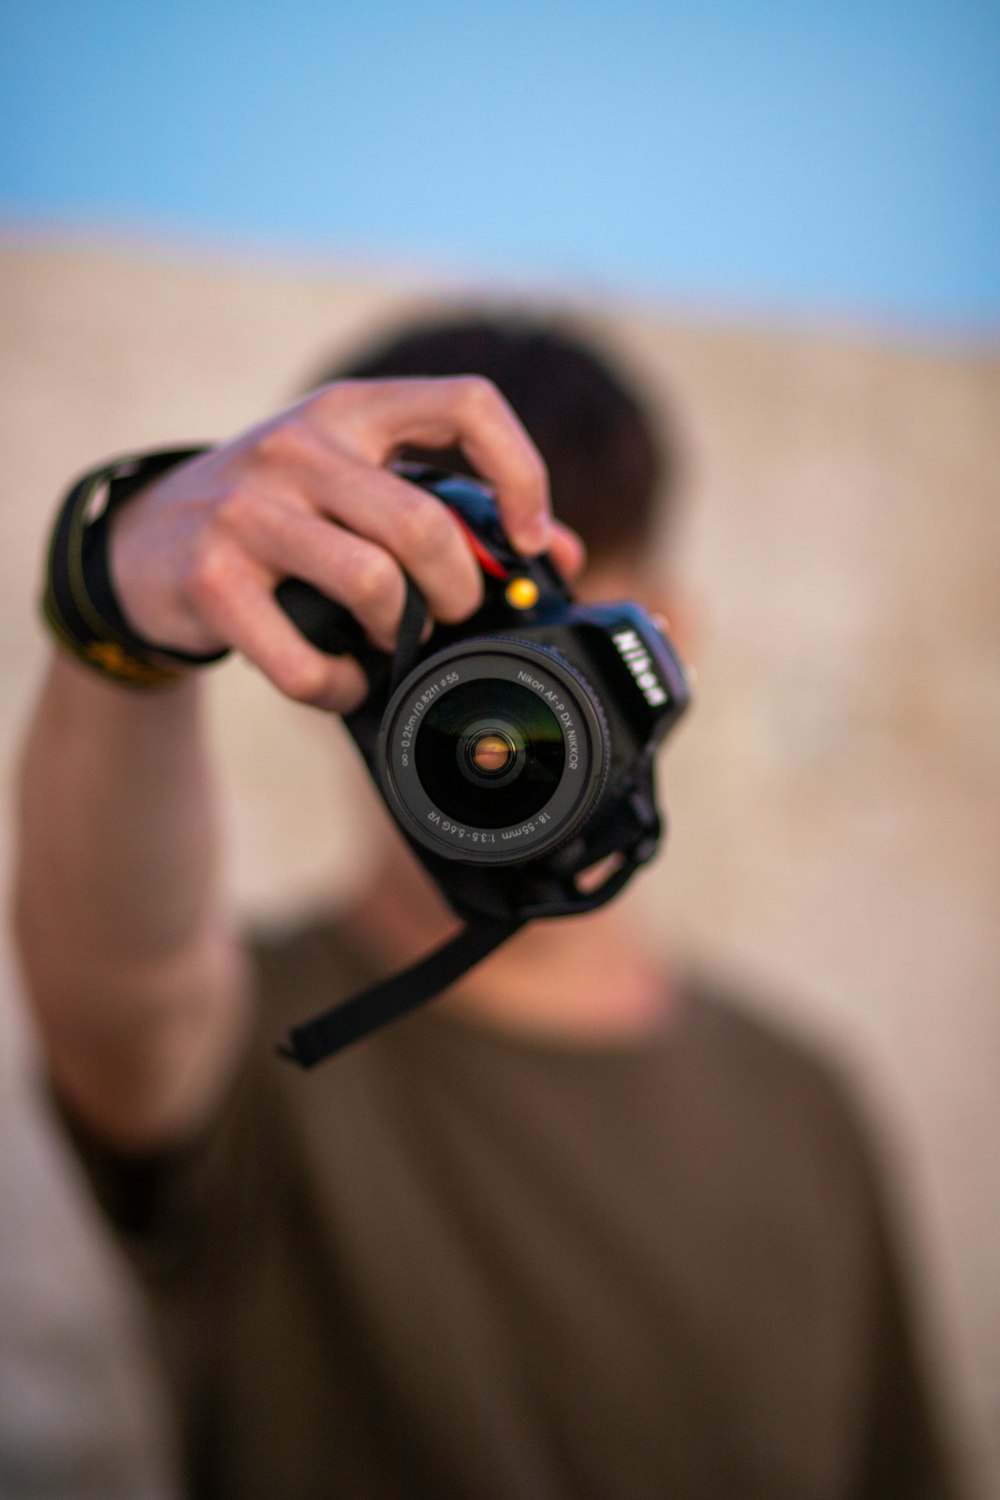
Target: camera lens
{"points": [[493, 751]]}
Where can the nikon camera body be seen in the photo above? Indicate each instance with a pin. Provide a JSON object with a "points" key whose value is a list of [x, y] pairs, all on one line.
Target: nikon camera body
{"points": [[514, 750]]}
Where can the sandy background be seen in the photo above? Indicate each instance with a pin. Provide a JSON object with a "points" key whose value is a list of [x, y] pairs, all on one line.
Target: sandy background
{"points": [[835, 800]]}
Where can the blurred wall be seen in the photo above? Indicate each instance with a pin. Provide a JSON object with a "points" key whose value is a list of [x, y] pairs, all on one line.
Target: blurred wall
{"points": [[835, 799]]}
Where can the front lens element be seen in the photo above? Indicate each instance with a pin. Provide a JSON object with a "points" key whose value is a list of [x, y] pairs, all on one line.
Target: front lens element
{"points": [[505, 741], [493, 751]]}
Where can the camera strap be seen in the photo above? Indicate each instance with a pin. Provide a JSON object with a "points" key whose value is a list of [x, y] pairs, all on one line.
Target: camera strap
{"points": [[348, 1022], [411, 628]]}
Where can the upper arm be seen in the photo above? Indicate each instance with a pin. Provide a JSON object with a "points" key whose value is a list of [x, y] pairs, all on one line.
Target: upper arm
{"points": [[153, 1074]]}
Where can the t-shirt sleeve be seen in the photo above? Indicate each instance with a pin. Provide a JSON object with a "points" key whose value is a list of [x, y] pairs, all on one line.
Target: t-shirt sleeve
{"points": [[161, 1204], [169, 1207]]}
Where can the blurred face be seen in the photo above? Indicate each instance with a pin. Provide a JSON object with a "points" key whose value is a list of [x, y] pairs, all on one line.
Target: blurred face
{"points": [[626, 576]]}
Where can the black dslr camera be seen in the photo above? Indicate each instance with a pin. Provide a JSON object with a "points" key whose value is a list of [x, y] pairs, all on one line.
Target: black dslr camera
{"points": [[515, 750]]}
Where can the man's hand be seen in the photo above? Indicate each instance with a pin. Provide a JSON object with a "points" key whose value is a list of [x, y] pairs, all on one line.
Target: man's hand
{"points": [[197, 555]]}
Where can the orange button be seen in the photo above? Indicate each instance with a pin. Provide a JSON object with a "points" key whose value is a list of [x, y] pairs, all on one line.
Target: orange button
{"points": [[522, 593]]}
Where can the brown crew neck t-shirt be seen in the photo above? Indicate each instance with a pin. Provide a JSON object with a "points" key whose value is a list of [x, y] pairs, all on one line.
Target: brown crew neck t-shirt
{"points": [[460, 1265]]}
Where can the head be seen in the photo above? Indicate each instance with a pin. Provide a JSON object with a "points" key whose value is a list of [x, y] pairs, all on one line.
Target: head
{"points": [[612, 475]]}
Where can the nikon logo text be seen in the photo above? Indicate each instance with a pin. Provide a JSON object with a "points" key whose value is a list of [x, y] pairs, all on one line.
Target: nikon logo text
{"points": [[635, 656]]}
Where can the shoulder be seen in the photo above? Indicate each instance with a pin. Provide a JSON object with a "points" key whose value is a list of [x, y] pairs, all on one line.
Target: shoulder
{"points": [[780, 1101], [732, 1030]]}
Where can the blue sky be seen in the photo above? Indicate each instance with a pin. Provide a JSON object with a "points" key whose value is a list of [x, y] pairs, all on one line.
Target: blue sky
{"points": [[835, 160]]}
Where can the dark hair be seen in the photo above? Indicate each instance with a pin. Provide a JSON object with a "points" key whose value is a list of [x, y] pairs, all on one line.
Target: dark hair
{"points": [[609, 470]]}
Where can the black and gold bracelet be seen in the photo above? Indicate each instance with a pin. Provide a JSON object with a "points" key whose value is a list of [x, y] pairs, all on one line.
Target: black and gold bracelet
{"points": [[79, 602]]}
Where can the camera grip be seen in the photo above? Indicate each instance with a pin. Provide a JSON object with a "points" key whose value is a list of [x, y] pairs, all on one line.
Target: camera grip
{"points": [[333, 629], [323, 622]]}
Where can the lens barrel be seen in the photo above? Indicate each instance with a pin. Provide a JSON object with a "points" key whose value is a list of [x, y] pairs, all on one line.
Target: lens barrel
{"points": [[493, 751]]}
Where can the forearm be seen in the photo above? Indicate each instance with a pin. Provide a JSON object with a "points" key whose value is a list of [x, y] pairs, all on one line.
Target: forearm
{"points": [[116, 839], [131, 970]]}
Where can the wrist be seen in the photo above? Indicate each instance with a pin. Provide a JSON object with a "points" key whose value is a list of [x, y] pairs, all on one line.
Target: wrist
{"points": [[80, 602]]}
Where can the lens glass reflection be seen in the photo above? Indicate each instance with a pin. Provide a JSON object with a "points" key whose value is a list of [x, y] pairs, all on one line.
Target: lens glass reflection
{"points": [[490, 753]]}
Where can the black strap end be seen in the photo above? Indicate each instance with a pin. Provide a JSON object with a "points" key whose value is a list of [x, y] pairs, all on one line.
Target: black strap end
{"points": [[291, 1051], [312, 1041]]}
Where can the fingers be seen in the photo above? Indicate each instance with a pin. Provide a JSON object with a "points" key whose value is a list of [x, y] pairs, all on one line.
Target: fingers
{"points": [[372, 527], [568, 551], [291, 541], [375, 418], [412, 529], [236, 599], [364, 504]]}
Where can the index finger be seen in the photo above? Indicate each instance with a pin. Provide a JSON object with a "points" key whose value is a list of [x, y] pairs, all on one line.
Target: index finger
{"points": [[376, 417]]}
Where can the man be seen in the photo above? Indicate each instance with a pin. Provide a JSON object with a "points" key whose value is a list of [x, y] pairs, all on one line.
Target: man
{"points": [[577, 1229]]}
